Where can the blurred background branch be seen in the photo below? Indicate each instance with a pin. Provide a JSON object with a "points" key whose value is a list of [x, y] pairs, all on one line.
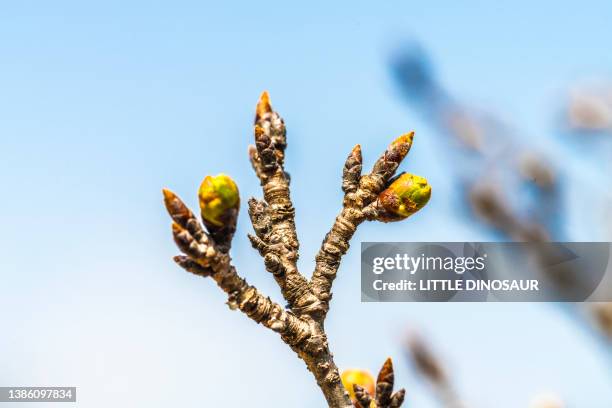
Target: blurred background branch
{"points": [[505, 183]]}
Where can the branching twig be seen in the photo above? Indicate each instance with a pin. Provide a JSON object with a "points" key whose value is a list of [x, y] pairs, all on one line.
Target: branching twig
{"points": [[364, 198], [374, 197]]}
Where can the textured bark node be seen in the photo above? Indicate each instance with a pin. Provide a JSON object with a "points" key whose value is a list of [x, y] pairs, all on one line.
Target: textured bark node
{"points": [[206, 251]]}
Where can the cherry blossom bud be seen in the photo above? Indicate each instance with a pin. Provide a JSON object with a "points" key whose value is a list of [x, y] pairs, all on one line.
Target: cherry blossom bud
{"points": [[219, 200], [404, 197]]}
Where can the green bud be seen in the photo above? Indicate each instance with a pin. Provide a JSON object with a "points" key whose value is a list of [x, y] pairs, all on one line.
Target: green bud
{"points": [[405, 196], [219, 200]]}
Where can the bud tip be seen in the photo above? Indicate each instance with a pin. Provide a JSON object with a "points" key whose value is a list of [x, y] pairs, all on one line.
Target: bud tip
{"points": [[263, 105], [168, 195], [406, 138]]}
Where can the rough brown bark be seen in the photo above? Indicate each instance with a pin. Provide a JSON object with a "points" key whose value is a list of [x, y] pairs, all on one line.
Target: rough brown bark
{"points": [[360, 192], [301, 323]]}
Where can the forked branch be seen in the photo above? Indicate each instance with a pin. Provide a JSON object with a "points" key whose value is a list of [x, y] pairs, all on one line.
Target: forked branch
{"points": [[375, 196]]}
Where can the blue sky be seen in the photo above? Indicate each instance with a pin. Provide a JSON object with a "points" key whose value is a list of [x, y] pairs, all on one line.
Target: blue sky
{"points": [[105, 103]]}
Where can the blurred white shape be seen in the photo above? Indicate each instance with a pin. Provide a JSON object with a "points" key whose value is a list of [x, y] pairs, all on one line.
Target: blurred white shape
{"points": [[546, 400]]}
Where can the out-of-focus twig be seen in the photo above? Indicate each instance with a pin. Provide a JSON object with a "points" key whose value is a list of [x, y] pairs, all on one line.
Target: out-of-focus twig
{"points": [[589, 108], [431, 368], [486, 146], [602, 313]]}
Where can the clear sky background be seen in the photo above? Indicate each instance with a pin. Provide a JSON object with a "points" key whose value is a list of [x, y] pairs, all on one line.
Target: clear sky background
{"points": [[104, 103]]}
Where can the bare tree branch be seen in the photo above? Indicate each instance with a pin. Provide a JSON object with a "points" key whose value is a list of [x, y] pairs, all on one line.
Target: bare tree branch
{"points": [[361, 202], [300, 324], [204, 259], [273, 220]]}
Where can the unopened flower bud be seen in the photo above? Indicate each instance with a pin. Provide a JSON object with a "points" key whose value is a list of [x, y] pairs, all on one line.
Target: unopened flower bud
{"points": [[360, 377], [405, 196], [219, 200]]}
